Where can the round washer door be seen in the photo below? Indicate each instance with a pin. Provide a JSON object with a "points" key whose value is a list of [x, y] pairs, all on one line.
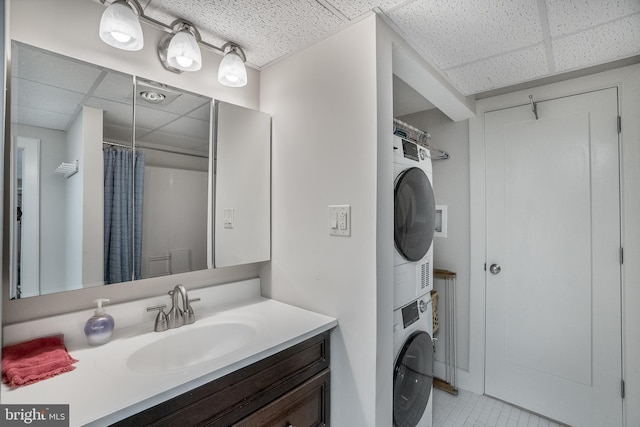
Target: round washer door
{"points": [[414, 214], [412, 380]]}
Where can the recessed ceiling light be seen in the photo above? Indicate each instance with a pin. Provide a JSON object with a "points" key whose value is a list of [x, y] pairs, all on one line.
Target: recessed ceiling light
{"points": [[152, 97]]}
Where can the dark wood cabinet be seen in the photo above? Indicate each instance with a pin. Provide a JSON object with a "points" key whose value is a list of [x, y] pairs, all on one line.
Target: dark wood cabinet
{"points": [[305, 406], [291, 387]]}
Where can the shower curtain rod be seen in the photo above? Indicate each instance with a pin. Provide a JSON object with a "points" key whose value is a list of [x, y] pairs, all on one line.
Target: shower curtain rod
{"points": [[165, 150]]}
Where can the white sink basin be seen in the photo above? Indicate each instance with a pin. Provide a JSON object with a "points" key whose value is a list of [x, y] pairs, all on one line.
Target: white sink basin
{"points": [[190, 345]]}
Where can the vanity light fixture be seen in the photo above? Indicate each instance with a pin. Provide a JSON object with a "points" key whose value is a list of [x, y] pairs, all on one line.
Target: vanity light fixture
{"points": [[179, 51], [232, 71], [120, 25]]}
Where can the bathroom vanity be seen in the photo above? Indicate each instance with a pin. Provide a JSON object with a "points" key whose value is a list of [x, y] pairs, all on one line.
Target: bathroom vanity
{"points": [[290, 388], [246, 361]]}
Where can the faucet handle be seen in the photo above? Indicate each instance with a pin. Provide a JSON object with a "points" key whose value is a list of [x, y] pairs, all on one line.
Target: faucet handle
{"points": [[161, 323], [189, 315]]}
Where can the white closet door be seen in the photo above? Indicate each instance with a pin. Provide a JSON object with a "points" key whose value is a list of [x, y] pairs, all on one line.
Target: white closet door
{"points": [[553, 314]]}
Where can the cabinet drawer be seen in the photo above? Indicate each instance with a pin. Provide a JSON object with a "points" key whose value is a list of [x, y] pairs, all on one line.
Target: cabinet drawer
{"points": [[305, 406], [233, 397]]}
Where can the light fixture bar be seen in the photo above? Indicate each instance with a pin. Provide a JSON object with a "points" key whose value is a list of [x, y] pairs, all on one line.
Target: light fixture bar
{"points": [[164, 27], [230, 51]]}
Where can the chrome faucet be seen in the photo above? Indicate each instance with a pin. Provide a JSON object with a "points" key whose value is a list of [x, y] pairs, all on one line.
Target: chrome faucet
{"points": [[177, 316]]}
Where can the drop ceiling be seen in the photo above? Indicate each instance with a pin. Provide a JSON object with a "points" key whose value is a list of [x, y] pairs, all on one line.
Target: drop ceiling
{"points": [[478, 45]]}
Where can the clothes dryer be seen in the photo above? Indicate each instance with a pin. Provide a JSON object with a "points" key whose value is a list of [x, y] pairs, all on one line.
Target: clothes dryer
{"points": [[413, 367], [414, 221]]}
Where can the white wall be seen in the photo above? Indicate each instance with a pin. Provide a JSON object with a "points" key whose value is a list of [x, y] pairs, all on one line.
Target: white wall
{"points": [[323, 106], [451, 188], [38, 23], [384, 227], [92, 173], [163, 159], [174, 219], [84, 219], [74, 224], [627, 79]]}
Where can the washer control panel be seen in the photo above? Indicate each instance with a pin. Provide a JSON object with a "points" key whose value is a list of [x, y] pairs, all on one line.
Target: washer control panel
{"points": [[410, 314]]}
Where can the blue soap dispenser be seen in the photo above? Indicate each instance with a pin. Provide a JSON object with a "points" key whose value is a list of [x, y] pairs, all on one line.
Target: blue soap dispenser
{"points": [[99, 327]]}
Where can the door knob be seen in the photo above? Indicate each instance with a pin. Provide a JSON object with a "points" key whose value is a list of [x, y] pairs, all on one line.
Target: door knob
{"points": [[495, 269]]}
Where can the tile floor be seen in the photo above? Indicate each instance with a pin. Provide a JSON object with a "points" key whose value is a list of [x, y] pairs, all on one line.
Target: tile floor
{"points": [[471, 410]]}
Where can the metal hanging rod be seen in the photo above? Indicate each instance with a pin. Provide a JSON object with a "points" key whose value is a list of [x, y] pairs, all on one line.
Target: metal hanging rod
{"points": [[534, 106], [420, 137], [147, 147]]}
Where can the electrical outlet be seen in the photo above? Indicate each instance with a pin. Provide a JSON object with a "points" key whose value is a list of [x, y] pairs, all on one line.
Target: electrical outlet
{"points": [[340, 220]]}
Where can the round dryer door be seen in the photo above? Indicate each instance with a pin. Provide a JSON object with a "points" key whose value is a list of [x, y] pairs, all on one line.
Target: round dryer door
{"points": [[415, 214], [412, 380]]}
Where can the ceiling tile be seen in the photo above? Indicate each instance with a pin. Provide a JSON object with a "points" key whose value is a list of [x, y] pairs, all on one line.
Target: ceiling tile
{"points": [[114, 112], [52, 69], [184, 103], [265, 29], [115, 87], [569, 16], [40, 118], [598, 45], [186, 126], [152, 118], [202, 113], [500, 71], [25, 93], [354, 8], [455, 32]]}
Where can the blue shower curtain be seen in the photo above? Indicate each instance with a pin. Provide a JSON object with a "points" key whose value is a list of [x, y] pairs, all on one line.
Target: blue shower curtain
{"points": [[122, 214]]}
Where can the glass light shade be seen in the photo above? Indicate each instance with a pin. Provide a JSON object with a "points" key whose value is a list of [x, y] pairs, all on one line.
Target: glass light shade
{"points": [[183, 52], [120, 27], [232, 71]]}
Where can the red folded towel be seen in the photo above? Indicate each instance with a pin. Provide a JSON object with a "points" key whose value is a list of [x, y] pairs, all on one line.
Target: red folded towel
{"points": [[35, 360]]}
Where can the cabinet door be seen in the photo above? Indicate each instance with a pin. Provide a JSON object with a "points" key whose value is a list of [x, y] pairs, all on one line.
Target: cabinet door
{"points": [[242, 232], [304, 406]]}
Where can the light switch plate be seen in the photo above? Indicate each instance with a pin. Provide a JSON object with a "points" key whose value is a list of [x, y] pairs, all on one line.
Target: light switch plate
{"points": [[228, 217], [340, 220]]}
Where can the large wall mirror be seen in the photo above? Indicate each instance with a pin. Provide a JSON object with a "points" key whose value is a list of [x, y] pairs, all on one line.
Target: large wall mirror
{"points": [[96, 199]]}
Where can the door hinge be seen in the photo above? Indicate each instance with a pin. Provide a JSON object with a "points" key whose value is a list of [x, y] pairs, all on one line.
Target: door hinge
{"points": [[621, 255], [622, 389], [619, 124], [485, 266]]}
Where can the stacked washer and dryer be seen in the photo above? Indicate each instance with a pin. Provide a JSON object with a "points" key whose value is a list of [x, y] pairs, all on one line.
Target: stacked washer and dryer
{"points": [[414, 219]]}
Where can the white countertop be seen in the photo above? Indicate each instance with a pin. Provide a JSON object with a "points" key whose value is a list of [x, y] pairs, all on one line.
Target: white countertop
{"points": [[103, 390]]}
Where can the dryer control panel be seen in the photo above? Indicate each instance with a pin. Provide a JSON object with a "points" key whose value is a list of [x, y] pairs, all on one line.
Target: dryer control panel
{"points": [[413, 151], [410, 314]]}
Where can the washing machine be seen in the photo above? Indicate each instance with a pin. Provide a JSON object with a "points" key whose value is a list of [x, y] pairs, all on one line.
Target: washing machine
{"points": [[413, 367], [414, 221]]}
